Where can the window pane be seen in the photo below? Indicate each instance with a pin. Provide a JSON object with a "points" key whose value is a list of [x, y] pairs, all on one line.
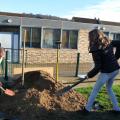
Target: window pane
{"points": [[27, 39], [106, 33], [73, 39], [47, 39], [115, 36], [56, 37], [50, 36], [36, 37], [69, 39], [9, 29], [111, 36], [65, 39]]}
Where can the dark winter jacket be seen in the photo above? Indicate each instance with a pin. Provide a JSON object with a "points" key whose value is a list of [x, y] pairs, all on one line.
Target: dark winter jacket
{"points": [[104, 61]]}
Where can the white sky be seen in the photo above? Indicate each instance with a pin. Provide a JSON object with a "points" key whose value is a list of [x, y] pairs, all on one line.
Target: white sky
{"points": [[108, 10]]}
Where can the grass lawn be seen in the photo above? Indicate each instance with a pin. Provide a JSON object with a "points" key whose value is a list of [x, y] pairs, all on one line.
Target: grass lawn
{"points": [[102, 96]]}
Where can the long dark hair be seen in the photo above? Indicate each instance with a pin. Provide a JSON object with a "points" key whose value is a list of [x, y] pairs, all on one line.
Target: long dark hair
{"points": [[98, 39]]}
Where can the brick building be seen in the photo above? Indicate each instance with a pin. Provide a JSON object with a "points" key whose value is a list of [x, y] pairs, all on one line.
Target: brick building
{"points": [[42, 34]]}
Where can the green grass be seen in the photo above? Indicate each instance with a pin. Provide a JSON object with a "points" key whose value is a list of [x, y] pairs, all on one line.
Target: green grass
{"points": [[102, 96]]}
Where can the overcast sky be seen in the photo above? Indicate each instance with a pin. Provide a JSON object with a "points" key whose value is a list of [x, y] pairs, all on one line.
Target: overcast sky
{"points": [[108, 10]]}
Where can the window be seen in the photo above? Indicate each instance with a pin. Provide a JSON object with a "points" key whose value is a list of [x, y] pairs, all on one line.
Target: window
{"points": [[9, 29], [50, 36], [106, 33], [73, 39], [27, 39], [111, 36], [36, 37], [69, 39], [115, 36], [33, 37], [65, 39]]}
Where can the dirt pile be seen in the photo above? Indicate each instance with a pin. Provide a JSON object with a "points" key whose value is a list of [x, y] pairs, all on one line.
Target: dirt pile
{"points": [[38, 98]]}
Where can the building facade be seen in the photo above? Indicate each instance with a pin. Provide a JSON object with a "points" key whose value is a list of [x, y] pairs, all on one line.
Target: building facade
{"points": [[41, 36]]}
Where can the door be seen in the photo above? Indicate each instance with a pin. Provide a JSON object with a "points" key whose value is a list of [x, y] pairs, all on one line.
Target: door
{"points": [[9, 41], [6, 42], [15, 50]]}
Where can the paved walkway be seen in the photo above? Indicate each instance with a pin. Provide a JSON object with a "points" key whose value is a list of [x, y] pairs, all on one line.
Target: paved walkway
{"points": [[90, 82]]}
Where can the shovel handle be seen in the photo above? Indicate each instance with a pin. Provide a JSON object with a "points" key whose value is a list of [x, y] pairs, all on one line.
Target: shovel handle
{"points": [[78, 82], [2, 88], [70, 87]]}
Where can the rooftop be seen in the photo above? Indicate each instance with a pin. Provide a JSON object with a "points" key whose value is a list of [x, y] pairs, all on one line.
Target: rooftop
{"points": [[74, 19]]}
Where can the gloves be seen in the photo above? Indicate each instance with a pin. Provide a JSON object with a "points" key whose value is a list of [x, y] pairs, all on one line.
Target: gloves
{"points": [[83, 76]]}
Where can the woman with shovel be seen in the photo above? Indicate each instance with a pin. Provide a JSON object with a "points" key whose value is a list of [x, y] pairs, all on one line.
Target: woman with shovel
{"points": [[104, 62]]}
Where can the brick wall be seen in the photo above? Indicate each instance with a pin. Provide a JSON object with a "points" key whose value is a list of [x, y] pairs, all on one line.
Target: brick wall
{"points": [[85, 56], [50, 56]]}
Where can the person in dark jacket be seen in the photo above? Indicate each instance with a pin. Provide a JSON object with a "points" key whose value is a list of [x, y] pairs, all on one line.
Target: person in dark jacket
{"points": [[104, 62]]}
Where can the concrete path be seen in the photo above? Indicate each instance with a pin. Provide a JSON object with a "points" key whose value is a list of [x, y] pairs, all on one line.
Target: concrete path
{"points": [[90, 82]]}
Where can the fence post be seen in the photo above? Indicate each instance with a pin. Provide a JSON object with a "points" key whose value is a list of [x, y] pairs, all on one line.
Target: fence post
{"points": [[23, 57], [6, 66], [57, 67], [77, 65]]}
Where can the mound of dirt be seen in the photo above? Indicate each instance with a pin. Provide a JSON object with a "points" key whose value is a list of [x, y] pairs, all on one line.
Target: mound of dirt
{"points": [[39, 98]]}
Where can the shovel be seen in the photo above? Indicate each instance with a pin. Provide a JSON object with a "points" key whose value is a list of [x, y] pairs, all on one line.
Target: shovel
{"points": [[66, 89], [7, 91]]}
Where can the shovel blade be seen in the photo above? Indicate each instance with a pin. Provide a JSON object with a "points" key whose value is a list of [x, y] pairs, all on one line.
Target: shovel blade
{"points": [[62, 91], [9, 92], [66, 89]]}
